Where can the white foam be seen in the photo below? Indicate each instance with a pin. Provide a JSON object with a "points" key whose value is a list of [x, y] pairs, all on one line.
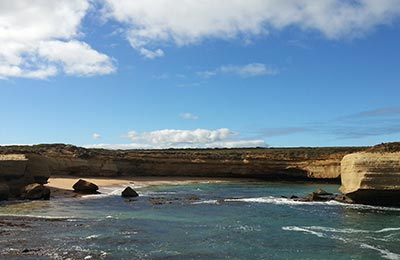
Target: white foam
{"points": [[206, 202], [384, 253], [281, 201], [71, 218], [388, 230], [110, 191], [350, 230], [300, 229], [92, 236], [286, 201], [314, 230]]}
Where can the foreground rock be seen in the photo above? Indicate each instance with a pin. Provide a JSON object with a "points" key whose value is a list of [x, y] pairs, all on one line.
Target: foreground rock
{"points": [[35, 191], [85, 187], [129, 193], [372, 178]]}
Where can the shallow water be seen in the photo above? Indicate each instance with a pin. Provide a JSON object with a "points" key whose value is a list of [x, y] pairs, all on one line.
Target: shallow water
{"points": [[199, 221]]}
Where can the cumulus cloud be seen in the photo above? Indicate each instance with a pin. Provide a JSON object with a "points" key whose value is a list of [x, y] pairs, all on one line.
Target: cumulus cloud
{"points": [[39, 39], [189, 116], [249, 70], [151, 23], [96, 136], [173, 138]]}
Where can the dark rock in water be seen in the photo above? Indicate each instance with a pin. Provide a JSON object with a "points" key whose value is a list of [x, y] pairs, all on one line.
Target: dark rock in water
{"points": [[293, 197], [322, 192], [167, 200], [315, 197], [85, 187], [192, 198], [129, 193], [321, 198], [4, 191], [343, 198], [35, 191]]}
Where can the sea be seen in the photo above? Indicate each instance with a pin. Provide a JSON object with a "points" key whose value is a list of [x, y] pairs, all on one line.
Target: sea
{"points": [[229, 220]]}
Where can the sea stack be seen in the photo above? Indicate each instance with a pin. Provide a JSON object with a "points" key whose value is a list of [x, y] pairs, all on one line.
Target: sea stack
{"points": [[372, 177]]}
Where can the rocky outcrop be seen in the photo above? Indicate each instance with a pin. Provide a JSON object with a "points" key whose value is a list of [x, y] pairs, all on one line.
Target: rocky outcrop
{"points": [[372, 177], [12, 174], [19, 170], [128, 192], [37, 168], [35, 191], [85, 187]]}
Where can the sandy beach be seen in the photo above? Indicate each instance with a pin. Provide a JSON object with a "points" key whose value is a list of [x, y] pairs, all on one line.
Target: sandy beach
{"points": [[62, 186]]}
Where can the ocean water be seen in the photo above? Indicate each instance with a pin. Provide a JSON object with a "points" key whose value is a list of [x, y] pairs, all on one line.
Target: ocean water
{"points": [[199, 221]]}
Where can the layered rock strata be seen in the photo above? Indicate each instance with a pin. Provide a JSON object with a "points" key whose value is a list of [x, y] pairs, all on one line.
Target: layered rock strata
{"points": [[372, 177], [19, 170], [266, 163]]}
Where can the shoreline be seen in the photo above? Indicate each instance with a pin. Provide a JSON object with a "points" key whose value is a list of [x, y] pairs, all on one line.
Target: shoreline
{"points": [[61, 186]]}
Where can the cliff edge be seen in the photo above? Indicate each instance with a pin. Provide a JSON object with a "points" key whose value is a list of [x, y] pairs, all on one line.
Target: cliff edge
{"points": [[373, 177]]}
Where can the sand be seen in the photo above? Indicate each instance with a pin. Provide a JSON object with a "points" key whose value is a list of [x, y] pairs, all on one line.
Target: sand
{"points": [[62, 186]]}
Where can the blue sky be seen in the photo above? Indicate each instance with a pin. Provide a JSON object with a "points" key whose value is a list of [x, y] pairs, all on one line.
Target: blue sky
{"points": [[158, 74]]}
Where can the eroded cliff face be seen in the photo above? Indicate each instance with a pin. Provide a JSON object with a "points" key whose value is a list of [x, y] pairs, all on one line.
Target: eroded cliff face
{"points": [[266, 163], [22, 165], [18, 170], [372, 177]]}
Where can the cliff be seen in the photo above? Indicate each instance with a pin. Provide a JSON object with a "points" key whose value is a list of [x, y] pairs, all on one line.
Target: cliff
{"points": [[373, 176], [266, 163], [18, 170]]}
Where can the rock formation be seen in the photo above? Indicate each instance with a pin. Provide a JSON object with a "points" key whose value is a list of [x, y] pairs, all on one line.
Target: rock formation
{"points": [[85, 187], [128, 192], [35, 191], [372, 177], [19, 170]]}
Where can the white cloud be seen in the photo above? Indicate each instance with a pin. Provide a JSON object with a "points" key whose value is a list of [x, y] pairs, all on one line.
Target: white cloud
{"points": [[96, 136], [76, 58], [172, 138], [188, 116], [38, 39], [207, 74], [152, 23], [249, 70], [151, 54]]}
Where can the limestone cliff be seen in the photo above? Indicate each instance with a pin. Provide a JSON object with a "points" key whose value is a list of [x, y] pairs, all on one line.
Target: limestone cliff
{"points": [[18, 170], [266, 163], [372, 177]]}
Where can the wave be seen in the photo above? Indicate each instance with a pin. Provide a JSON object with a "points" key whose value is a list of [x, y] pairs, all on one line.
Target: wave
{"points": [[280, 201], [326, 232], [350, 230], [384, 253], [300, 229], [70, 218], [286, 201], [206, 202]]}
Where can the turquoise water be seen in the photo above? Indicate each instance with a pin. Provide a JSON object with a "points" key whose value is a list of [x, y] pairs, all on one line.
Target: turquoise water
{"points": [[199, 221]]}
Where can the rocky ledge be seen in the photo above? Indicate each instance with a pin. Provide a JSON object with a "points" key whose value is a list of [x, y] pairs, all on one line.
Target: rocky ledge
{"points": [[373, 177], [20, 170]]}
